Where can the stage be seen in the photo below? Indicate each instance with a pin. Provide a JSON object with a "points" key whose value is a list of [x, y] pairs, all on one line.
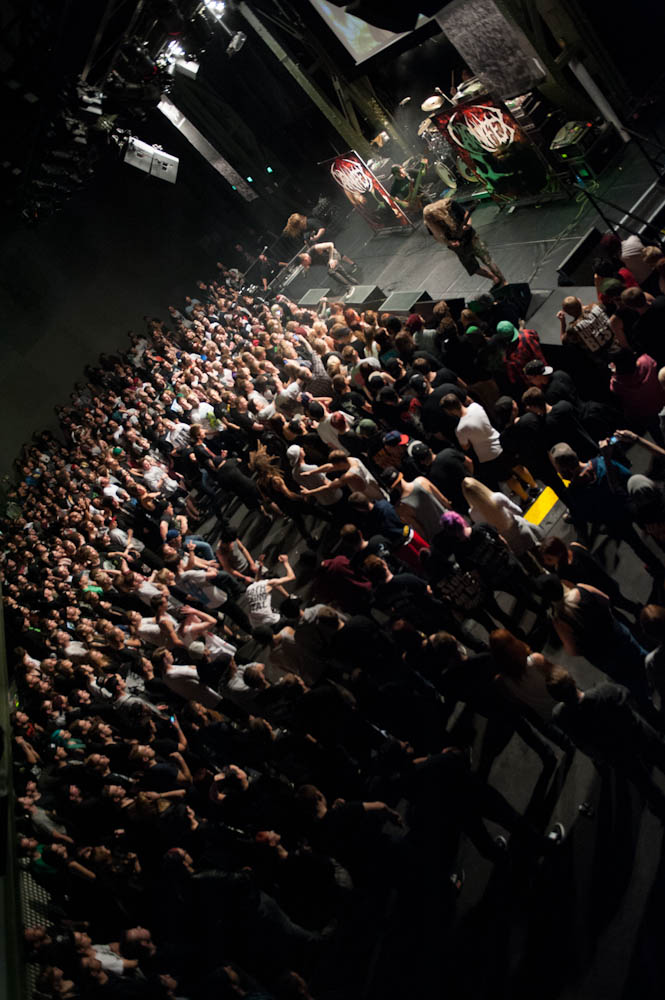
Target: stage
{"points": [[528, 243]]}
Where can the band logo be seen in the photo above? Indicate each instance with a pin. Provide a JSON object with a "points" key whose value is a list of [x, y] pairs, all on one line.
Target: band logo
{"points": [[366, 193]]}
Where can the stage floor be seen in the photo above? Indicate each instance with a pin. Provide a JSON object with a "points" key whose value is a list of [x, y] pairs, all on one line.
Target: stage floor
{"points": [[528, 242]]}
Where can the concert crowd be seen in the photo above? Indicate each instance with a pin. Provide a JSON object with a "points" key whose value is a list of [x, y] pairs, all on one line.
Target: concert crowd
{"points": [[257, 586]]}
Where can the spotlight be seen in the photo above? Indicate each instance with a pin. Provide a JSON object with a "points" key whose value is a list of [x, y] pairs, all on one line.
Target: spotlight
{"points": [[175, 49], [236, 43], [215, 7]]}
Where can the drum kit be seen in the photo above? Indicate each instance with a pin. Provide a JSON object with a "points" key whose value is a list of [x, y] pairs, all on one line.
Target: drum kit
{"points": [[448, 166], [440, 150]]}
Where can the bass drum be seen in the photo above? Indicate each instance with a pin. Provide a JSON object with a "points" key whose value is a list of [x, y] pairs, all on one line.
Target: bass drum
{"points": [[446, 174], [465, 171]]}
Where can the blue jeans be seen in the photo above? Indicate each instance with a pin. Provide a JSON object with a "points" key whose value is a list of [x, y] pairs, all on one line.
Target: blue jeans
{"points": [[202, 548]]}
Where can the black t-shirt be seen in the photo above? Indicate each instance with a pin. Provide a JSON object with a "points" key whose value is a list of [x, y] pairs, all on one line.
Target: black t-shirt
{"points": [[527, 441], [447, 472], [162, 777], [312, 226], [348, 402], [562, 424], [433, 417], [648, 333], [399, 593], [602, 722], [561, 386], [445, 375]]}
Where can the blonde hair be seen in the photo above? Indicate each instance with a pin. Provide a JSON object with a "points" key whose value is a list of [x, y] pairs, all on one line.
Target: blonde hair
{"points": [[478, 496], [651, 255]]}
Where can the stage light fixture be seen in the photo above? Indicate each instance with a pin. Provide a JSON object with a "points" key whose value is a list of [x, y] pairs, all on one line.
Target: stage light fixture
{"points": [[175, 49], [215, 7], [250, 180], [269, 170], [236, 43]]}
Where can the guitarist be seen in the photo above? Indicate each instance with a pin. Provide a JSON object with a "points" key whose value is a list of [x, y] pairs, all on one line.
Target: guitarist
{"points": [[405, 188]]}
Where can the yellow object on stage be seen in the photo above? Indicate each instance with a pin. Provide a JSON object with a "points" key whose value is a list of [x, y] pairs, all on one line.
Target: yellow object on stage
{"points": [[541, 507]]}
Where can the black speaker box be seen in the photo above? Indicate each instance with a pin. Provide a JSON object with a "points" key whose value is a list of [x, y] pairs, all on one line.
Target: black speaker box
{"points": [[313, 296], [575, 269], [367, 296], [402, 303], [455, 306], [518, 293]]}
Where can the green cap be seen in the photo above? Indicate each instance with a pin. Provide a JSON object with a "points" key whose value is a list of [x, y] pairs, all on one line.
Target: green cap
{"points": [[506, 330]]}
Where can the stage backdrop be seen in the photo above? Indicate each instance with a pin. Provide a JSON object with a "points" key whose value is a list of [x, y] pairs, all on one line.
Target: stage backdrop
{"points": [[366, 193], [492, 148]]}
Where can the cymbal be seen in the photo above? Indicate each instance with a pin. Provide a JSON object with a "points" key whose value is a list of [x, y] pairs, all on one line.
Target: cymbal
{"points": [[425, 126], [432, 104]]}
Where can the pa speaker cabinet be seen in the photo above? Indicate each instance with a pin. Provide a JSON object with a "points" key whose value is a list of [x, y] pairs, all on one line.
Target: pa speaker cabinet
{"points": [[519, 294], [314, 296], [367, 296], [402, 303], [455, 306], [575, 269]]}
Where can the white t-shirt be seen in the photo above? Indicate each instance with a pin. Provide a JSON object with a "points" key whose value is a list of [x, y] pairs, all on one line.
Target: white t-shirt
{"points": [[178, 436], [185, 682], [150, 631], [370, 487], [476, 430], [197, 579], [329, 435], [631, 254], [109, 959], [155, 478], [237, 690], [325, 497], [259, 604], [200, 413]]}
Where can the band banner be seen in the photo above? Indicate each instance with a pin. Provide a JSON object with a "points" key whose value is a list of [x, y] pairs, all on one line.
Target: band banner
{"points": [[366, 192], [492, 148]]}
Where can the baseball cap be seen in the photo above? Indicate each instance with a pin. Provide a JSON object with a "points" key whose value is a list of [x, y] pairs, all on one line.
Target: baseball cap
{"points": [[418, 382], [390, 477], [417, 449], [537, 367], [367, 427], [394, 438], [506, 330], [414, 322]]}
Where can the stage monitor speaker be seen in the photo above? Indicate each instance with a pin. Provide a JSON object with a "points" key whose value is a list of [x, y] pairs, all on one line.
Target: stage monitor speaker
{"points": [[367, 296], [494, 48], [575, 269], [402, 303], [519, 294], [314, 296]]}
